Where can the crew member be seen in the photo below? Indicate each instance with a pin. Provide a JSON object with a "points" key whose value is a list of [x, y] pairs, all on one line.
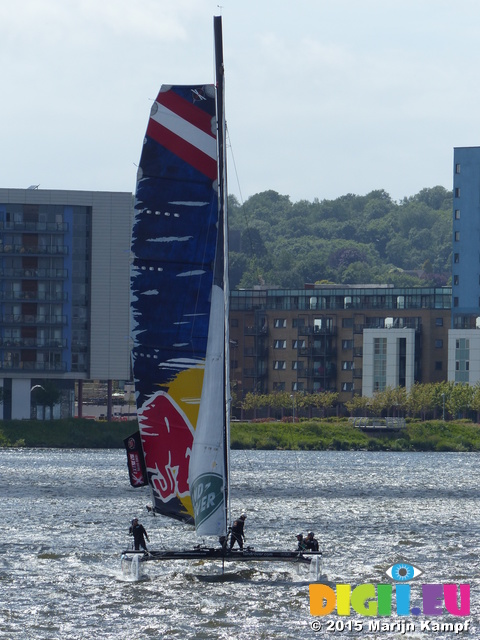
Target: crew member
{"points": [[301, 542], [237, 534], [311, 542], [139, 534]]}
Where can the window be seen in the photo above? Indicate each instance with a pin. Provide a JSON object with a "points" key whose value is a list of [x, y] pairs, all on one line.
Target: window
{"points": [[379, 364], [438, 344], [298, 322], [347, 386], [279, 386], [347, 344], [298, 386], [280, 344], [456, 280], [298, 344], [455, 301], [457, 168], [438, 365], [457, 214], [457, 236], [280, 323], [457, 192], [297, 365], [439, 322], [347, 323], [456, 258], [347, 365], [279, 365]]}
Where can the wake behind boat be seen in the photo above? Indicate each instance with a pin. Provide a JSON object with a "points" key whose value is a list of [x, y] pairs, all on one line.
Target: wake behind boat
{"points": [[179, 303]]}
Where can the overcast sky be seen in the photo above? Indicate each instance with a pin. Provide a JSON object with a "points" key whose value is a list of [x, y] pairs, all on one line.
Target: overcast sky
{"points": [[324, 97]]}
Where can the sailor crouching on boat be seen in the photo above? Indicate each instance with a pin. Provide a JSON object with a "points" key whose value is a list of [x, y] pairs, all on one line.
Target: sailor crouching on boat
{"points": [[139, 534], [237, 534], [311, 542], [302, 545]]}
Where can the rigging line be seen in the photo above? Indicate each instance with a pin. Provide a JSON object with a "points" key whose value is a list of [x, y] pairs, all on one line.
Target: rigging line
{"points": [[230, 146], [248, 228], [242, 202]]}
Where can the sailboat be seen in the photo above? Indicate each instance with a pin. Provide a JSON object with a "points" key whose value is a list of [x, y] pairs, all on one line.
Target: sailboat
{"points": [[179, 303]]}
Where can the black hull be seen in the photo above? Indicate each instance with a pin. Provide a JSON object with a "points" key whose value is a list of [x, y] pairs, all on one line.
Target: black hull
{"points": [[249, 555]]}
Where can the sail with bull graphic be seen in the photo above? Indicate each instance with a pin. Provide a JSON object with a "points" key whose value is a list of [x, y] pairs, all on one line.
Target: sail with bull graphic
{"points": [[178, 304]]}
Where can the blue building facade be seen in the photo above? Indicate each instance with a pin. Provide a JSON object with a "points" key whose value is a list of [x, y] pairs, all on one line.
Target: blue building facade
{"points": [[464, 337]]}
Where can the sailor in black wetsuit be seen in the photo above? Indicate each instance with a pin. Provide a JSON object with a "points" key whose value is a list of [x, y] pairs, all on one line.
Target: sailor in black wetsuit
{"points": [[237, 534], [139, 534], [311, 542], [301, 542]]}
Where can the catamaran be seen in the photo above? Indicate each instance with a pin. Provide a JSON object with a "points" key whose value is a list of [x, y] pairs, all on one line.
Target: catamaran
{"points": [[179, 302]]}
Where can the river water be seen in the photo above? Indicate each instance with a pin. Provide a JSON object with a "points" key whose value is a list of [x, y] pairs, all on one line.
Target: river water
{"points": [[66, 513]]}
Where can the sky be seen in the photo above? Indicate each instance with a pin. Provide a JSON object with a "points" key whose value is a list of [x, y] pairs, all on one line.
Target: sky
{"points": [[323, 97]]}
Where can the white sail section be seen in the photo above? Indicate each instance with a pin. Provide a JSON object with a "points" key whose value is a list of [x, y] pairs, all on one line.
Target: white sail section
{"points": [[207, 462]]}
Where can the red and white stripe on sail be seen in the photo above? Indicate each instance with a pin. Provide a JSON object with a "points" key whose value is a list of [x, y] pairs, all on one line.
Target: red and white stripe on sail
{"points": [[185, 130]]}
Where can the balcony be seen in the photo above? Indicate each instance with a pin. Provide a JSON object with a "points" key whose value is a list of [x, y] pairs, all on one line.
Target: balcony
{"points": [[31, 343], [24, 250], [256, 331], [318, 372], [17, 319], [34, 296], [33, 366], [35, 227], [51, 274], [253, 373], [317, 331], [251, 352]]}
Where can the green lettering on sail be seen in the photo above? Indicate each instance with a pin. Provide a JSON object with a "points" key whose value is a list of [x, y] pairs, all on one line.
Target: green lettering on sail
{"points": [[207, 496]]}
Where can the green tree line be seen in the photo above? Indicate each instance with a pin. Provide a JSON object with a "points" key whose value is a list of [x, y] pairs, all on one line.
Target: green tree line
{"points": [[350, 240], [440, 400]]}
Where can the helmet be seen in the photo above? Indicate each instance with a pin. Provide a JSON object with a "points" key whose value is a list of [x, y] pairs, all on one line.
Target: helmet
{"points": [[243, 516], [134, 520], [311, 534]]}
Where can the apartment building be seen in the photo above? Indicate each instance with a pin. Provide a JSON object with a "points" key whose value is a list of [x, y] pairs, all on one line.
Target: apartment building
{"points": [[64, 314], [64, 292], [354, 339]]}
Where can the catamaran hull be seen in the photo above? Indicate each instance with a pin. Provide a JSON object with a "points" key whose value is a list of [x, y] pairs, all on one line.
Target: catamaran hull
{"points": [[225, 556]]}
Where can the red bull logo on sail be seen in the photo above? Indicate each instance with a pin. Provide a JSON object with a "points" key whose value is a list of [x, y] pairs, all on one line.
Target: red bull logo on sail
{"points": [[167, 438], [385, 599]]}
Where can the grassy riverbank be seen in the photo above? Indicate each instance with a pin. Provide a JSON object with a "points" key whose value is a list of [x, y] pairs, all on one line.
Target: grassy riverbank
{"points": [[329, 434]]}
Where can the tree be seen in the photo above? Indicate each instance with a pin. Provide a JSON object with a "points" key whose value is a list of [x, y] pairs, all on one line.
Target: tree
{"points": [[460, 400], [358, 406], [324, 400], [47, 395], [253, 401]]}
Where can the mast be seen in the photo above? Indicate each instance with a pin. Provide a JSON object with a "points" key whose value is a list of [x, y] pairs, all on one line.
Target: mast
{"points": [[223, 237]]}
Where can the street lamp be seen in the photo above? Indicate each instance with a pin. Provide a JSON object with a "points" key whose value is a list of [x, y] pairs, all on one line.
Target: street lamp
{"points": [[35, 413]]}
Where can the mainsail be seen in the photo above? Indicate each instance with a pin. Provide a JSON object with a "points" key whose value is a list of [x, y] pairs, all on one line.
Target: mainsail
{"points": [[178, 307], [180, 294]]}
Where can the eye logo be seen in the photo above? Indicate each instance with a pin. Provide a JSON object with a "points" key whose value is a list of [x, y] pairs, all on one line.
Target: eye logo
{"points": [[403, 572]]}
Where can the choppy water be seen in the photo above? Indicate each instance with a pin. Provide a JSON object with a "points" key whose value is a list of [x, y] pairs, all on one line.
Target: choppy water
{"points": [[65, 517]]}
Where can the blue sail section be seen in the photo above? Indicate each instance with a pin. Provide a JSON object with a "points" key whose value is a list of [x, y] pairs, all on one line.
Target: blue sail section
{"points": [[173, 244]]}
